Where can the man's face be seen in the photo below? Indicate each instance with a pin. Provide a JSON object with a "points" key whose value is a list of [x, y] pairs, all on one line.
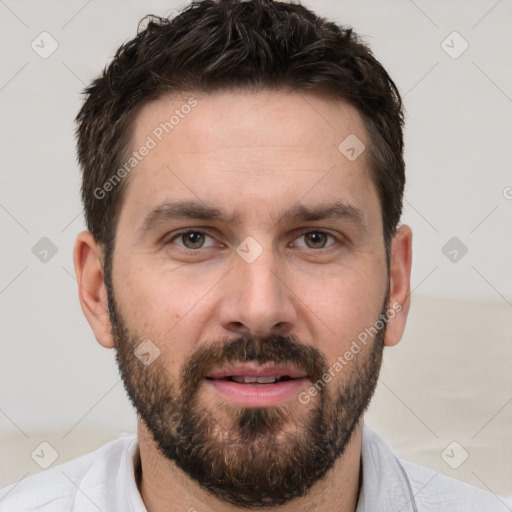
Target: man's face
{"points": [[249, 247]]}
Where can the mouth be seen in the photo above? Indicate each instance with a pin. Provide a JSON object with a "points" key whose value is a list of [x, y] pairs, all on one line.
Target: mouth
{"points": [[246, 379], [253, 385]]}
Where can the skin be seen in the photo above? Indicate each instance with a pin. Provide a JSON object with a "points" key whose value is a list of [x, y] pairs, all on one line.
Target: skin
{"points": [[255, 155]]}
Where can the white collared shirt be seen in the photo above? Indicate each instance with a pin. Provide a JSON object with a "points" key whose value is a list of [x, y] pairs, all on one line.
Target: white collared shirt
{"points": [[105, 480], [396, 485]]}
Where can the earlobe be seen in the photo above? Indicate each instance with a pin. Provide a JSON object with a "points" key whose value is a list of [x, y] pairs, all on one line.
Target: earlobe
{"points": [[400, 284], [88, 259]]}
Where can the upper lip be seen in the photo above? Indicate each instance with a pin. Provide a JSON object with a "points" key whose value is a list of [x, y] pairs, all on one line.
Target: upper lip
{"points": [[256, 370]]}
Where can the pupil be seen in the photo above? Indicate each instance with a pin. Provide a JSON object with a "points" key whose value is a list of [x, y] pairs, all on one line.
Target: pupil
{"points": [[193, 240], [316, 239]]}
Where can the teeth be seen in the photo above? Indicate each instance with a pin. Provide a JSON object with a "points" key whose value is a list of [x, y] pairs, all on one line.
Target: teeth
{"points": [[241, 380], [250, 380], [265, 380]]}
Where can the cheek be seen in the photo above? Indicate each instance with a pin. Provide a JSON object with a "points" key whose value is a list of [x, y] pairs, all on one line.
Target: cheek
{"points": [[343, 306], [164, 306]]}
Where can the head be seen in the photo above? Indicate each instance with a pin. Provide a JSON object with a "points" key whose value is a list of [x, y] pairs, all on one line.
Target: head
{"points": [[242, 182]]}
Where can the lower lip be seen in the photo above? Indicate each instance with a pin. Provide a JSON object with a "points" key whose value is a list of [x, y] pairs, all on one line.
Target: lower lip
{"points": [[254, 395]]}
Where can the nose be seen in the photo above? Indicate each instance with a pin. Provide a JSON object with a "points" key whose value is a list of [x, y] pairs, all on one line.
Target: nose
{"points": [[256, 299]]}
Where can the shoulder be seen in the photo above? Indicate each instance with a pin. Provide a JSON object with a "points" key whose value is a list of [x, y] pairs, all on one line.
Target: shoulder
{"points": [[56, 489], [390, 483], [435, 491]]}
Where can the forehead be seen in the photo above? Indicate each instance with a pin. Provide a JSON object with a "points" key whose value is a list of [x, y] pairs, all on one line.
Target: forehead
{"points": [[272, 147], [207, 123]]}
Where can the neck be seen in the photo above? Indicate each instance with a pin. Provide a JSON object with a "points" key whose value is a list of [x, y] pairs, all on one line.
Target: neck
{"points": [[161, 482]]}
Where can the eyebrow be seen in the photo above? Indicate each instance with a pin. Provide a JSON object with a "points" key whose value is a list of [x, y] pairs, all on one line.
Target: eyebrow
{"points": [[168, 211], [335, 211]]}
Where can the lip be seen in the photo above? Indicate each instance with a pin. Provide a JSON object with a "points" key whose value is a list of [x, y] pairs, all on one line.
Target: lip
{"points": [[257, 370], [257, 395], [260, 395]]}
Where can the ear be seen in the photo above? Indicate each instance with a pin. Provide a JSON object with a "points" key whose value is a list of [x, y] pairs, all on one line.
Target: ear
{"points": [[399, 285], [88, 260]]}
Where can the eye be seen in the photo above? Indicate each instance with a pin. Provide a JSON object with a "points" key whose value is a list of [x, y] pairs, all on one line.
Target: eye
{"points": [[192, 240], [315, 240]]}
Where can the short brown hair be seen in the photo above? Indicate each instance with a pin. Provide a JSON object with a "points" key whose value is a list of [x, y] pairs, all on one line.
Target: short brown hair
{"points": [[234, 44]]}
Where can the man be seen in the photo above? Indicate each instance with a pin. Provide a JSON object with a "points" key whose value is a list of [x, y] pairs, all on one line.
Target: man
{"points": [[242, 184]]}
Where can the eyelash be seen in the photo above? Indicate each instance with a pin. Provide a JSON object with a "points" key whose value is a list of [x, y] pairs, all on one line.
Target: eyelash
{"points": [[176, 235]]}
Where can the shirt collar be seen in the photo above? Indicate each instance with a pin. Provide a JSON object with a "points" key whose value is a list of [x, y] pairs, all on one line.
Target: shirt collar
{"points": [[385, 485], [133, 461]]}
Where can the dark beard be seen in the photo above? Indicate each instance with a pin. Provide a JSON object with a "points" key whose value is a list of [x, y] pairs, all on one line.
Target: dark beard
{"points": [[250, 457]]}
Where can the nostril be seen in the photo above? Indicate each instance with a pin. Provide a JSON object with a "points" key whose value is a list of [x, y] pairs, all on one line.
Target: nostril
{"points": [[282, 328], [237, 327]]}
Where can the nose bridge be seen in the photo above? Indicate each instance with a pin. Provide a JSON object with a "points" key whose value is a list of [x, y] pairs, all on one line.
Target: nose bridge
{"points": [[257, 300], [259, 279]]}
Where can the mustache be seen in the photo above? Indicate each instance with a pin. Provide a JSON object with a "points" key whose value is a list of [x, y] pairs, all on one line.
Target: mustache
{"points": [[245, 349]]}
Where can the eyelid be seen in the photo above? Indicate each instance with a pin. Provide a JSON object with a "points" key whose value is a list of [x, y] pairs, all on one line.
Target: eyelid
{"points": [[338, 239], [171, 237]]}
